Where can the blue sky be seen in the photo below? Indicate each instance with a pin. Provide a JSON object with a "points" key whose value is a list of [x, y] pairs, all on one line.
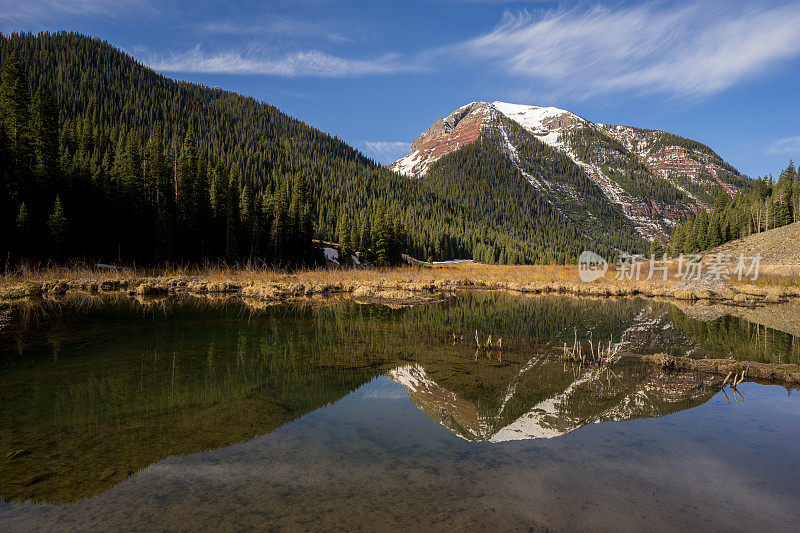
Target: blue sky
{"points": [[378, 73]]}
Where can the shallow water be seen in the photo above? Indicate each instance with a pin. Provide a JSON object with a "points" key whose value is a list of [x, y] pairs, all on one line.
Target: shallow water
{"points": [[331, 415]]}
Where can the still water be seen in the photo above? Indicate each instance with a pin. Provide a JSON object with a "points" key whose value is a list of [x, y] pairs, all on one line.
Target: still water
{"points": [[201, 414]]}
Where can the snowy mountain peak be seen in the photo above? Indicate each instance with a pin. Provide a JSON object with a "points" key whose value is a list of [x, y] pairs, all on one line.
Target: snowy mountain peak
{"points": [[464, 125], [652, 179], [559, 407], [537, 119]]}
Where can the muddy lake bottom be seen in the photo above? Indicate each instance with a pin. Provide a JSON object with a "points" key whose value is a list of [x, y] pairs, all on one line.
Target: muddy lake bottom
{"points": [[194, 415]]}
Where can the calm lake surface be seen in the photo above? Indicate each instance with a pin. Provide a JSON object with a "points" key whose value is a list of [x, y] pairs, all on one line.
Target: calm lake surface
{"points": [[187, 414]]}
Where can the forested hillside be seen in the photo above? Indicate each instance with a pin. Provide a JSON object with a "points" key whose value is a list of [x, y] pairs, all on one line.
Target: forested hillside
{"points": [[102, 159], [620, 186], [767, 205], [108, 160]]}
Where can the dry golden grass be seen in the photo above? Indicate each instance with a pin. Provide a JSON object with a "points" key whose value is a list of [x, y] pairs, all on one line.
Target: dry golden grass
{"points": [[399, 283]]}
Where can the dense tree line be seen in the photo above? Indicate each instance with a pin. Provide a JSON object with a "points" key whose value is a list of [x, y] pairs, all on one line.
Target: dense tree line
{"points": [[517, 223], [102, 158], [107, 160], [72, 186], [766, 205], [574, 194], [630, 173]]}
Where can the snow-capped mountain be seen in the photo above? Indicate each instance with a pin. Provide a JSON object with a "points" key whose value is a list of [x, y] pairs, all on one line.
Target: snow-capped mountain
{"points": [[540, 402], [653, 178]]}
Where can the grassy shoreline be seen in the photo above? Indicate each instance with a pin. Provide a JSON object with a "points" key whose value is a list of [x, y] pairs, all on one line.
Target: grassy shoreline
{"points": [[401, 285]]}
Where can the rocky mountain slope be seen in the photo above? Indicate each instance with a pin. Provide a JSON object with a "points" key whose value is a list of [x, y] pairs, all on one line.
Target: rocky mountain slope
{"points": [[652, 178], [541, 402], [779, 246]]}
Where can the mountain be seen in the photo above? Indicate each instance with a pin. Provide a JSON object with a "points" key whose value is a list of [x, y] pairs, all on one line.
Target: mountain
{"points": [[543, 401], [766, 207], [615, 180], [103, 159], [125, 165]]}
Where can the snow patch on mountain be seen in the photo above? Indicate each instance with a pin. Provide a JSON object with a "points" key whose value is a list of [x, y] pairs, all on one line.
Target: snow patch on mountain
{"points": [[546, 419], [412, 165], [548, 125], [559, 128]]}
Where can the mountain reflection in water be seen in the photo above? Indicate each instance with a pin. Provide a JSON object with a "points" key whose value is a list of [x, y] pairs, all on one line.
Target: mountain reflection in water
{"points": [[546, 400], [93, 393]]}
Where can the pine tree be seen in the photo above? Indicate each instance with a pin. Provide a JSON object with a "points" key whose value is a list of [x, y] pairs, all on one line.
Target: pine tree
{"points": [[380, 234], [233, 214], [57, 223], [15, 112], [343, 230], [690, 245], [398, 241], [701, 230], [22, 231], [782, 211], [159, 183], [187, 183], [280, 229], [366, 234], [676, 242], [218, 202], [247, 217], [7, 196], [714, 237], [355, 239], [656, 249], [44, 133]]}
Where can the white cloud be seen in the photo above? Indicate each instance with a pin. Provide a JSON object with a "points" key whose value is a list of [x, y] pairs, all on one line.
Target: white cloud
{"points": [[36, 11], [677, 49], [276, 26], [385, 151], [787, 145], [294, 64]]}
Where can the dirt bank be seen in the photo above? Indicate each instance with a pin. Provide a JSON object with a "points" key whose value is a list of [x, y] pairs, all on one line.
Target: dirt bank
{"points": [[752, 371]]}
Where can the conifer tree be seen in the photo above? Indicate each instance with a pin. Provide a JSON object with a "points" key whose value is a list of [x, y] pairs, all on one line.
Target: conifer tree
{"points": [[44, 132], [343, 230], [355, 240], [22, 230], [187, 184], [676, 242], [233, 214], [57, 223], [380, 234], [15, 112], [366, 234], [690, 245], [701, 230], [398, 239], [714, 231], [7, 195], [656, 249], [247, 217]]}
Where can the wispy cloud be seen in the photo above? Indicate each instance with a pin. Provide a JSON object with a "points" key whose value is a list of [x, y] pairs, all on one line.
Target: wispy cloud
{"points": [[27, 11], [385, 151], [676, 49], [276, 26], [787, 145], [294, 64]]}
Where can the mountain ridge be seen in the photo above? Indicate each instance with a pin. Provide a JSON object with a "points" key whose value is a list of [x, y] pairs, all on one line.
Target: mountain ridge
{"points": [[654, 178]]}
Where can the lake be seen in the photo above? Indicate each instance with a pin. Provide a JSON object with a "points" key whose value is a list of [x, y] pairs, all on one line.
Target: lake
{"points": [[194, 413]]}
